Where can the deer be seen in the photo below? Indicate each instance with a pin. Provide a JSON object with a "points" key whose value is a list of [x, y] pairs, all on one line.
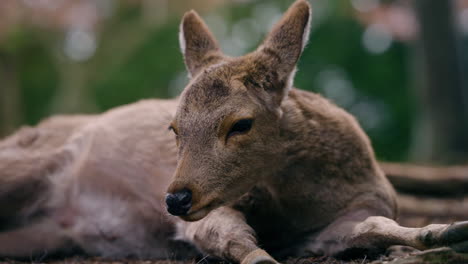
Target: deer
{"points": [[241, 166]]}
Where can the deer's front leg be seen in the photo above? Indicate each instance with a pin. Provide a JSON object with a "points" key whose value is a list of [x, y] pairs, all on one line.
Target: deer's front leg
{"points": [[358, 232], [224, 233], [384, 232]]}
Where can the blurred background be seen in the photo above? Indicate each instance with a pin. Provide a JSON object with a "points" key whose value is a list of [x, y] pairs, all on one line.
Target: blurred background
{"points": [[400, 66]]}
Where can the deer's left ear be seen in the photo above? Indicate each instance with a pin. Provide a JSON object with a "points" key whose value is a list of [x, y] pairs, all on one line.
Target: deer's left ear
{"points": [[284, 44], [197, 43]]}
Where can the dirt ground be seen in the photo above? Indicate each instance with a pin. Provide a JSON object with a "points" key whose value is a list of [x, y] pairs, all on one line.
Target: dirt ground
{"points": [[414, 212]]}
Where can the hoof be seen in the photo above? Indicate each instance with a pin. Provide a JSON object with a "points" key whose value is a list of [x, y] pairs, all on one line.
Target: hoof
{"points": [[456, 232], [259, 256], [456, 236]]}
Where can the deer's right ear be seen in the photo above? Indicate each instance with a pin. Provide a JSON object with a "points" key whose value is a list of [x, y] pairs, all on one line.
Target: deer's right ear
{"points": [[283, 46], [197, 43]]}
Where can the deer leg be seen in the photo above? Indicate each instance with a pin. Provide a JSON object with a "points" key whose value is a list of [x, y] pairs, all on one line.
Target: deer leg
{"points": [[25, 184], [224, 233], [24, 187], [37, 239], [360, 233]]}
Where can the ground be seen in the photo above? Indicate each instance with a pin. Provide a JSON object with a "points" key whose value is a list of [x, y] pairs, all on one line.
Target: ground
{"points": [[414, 212]]}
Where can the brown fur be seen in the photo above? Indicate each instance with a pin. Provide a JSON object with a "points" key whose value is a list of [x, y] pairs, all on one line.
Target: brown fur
{"points": [[302, 180]]}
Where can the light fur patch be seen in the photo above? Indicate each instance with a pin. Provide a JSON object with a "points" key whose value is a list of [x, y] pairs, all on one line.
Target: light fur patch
{"points": [[289, 83], [182, 42], [305, 36]]}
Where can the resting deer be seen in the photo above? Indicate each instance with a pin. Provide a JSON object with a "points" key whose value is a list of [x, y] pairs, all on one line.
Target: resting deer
{"points": [[254, 166]]}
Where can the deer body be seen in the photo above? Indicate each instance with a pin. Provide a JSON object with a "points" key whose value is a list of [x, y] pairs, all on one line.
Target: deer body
{"points": [[253, 164], [104, 187], [113, 164]]}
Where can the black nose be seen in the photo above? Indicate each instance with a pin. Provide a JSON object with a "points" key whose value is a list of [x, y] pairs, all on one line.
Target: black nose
{"points": [[179, 203]]}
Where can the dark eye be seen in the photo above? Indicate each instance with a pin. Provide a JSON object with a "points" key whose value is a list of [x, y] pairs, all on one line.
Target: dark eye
{"points": [[241, 127]]}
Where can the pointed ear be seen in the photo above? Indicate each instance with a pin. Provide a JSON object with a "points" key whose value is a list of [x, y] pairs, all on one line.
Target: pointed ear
{"points": [[284, 44], [197, 43]]}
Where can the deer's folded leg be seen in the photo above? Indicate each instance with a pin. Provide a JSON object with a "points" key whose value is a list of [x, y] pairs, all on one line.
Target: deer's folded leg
{"points": [[357, 233], [34, 240], [225, 234], [24, 186]]}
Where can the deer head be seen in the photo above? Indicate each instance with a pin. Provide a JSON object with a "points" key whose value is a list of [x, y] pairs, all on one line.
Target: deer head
{"points": [[227, 124]]}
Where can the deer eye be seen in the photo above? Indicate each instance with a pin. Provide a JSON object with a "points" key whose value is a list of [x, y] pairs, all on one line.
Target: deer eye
{"points": [[241, 127]]}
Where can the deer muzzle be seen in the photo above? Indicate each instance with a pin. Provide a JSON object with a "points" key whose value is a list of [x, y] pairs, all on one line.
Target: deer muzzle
{"points": [[179, 203]]}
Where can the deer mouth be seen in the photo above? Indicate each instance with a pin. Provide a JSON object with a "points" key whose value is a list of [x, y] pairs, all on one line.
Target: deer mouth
{"points": [[200, 212]]}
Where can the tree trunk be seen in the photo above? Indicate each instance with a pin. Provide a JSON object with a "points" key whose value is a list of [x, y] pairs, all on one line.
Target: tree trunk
{"points": [[10, 99], [442, 131]]}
